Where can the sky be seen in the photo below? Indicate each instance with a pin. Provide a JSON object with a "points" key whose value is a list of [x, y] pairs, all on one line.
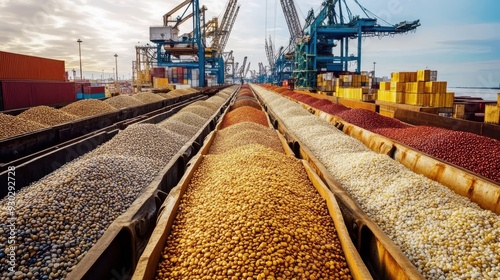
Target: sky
{"points": [[458, 38]]}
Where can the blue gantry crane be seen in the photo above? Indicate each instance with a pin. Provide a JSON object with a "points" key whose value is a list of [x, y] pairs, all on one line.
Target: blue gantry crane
{"points": [[190, 50], [335, 24], [311, 48]]}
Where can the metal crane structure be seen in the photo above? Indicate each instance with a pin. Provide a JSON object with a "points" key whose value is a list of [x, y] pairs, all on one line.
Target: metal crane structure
{"points": [[241, 71], [222, 35], [324, 32], [186, 50], [145, 57], [282, 62], [190, 50]]}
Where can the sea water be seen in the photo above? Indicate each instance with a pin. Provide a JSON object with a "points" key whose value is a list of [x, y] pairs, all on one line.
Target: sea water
{"points": [[486, 94]]}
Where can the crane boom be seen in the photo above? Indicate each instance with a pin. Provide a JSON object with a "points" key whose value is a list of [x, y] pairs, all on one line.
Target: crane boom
{"points": [[248, 68], [218, 42], [292, 19], [167, 15], [225, 36]]}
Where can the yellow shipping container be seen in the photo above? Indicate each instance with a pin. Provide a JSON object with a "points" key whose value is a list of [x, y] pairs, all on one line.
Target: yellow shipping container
{"points": [[414, 98], [160, 82], [385, 86], [398, 77], [435, 87], [415, 87], [492, 114], [397, 86], [411, 77], [319, 78], [423, 75], [498, 100], [459, 111], [391, 96], [427, 99], [449, 99], [386, 113]]}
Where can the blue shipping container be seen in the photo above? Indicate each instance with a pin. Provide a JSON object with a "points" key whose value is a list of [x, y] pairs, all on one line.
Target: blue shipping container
{"points": [[93, 95], [79, 95]]}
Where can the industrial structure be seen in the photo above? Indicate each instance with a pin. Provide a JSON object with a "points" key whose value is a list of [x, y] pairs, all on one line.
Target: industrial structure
{"points": [[311, 47], [189, 51]]}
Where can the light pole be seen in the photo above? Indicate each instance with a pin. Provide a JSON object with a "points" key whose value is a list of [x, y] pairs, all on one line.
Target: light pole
{"points": [[102, 77], [116, 67], [80, 54]]}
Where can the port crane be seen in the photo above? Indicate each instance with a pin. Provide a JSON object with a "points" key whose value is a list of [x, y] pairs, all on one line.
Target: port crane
{"points": [[313, 47], [190, 50], [333, 25]]}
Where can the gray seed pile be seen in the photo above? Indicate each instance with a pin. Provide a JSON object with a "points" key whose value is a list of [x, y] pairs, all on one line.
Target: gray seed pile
{"points": [[12, 126], [245, 133], [123, 101], [59, 218], [47, 115], [217, 100], [189, 118], [199, 110], [146, 141], [179, 127], [211, 106], [148, 97], [445, 235], [88, 107]]}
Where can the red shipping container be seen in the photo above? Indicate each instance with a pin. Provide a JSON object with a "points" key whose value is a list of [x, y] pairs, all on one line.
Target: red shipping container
{"points": [[22, 94], [94, 89], [159, 72], [180, 74], [24, 67]]}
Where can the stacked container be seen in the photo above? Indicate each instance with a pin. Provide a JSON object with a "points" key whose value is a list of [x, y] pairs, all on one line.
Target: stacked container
{"points": [[93, 92], [28, 81]]}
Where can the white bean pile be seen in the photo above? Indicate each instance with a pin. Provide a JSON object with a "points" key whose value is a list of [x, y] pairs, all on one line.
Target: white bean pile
{"points": [[445, 235], [60, 217]]}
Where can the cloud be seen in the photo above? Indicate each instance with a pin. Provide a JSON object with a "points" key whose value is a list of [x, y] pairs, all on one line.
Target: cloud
{"points": [[459, 38]]}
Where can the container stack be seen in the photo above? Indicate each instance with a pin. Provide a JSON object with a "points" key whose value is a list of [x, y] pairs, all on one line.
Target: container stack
{"points": [[356, 87], [416, 88], [492, 112], [325, 83], [93, 92], [28, 81]]}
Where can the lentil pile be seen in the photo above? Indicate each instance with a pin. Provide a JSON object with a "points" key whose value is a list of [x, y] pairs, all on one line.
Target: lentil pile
{"points": [[47, 115], [246, 102], [60, 217], [11, 126], [245, 133], [244, 114], [445, 235], [148, 97], [88, 107], [239, 219], [123, 101]]}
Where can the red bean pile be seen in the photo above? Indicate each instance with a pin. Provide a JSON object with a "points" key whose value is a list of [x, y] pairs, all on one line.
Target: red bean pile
{"points": [[369, 120], [476, 153], [473, 152]]}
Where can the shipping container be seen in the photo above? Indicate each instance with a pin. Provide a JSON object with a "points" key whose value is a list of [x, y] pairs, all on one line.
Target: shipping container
{"points": [[24, 67], [92, 89], [180, 73], [159, 72], [22, 94], [94, 95]]}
